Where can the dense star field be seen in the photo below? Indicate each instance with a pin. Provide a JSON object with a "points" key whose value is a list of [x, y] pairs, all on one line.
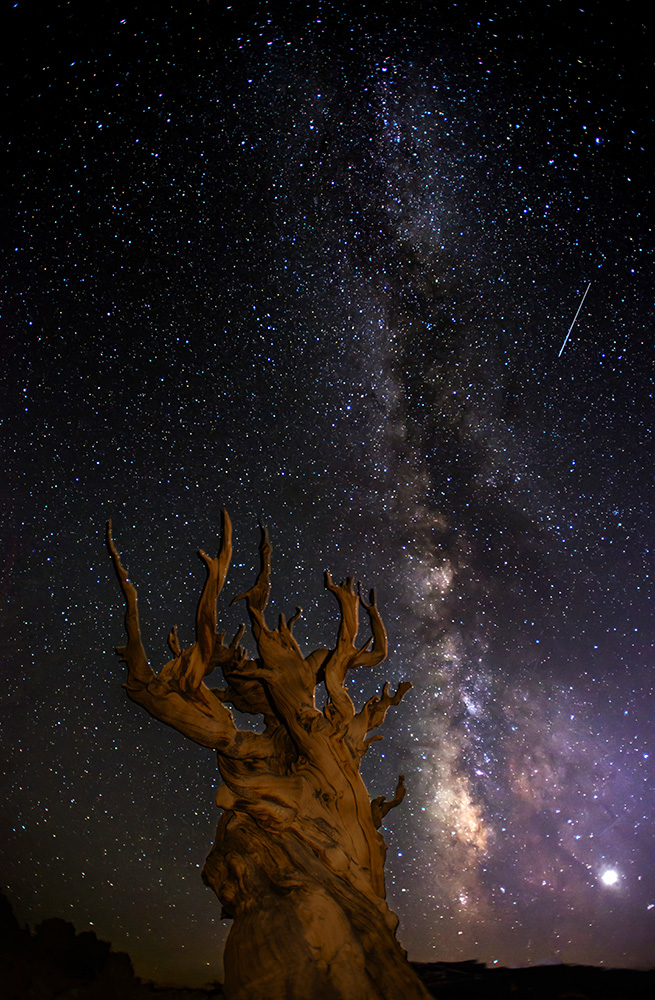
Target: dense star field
{"points": [[316, 263]]}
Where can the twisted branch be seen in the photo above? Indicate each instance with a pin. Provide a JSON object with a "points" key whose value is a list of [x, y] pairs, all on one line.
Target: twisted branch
{"points": [[346, 656], [177, 696], [374, 713], [380, 806]]}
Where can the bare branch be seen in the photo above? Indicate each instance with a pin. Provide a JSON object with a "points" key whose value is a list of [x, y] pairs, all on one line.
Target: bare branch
{"points": [[289, 678], [257, 597], [381, 806], [371, 657], [347, 656], [349, 626], [294, 618], [188, 707], [340, 709], [316, 662], [174, 642], [139, 671], [248, 694], [374, 711], [200, 654]]}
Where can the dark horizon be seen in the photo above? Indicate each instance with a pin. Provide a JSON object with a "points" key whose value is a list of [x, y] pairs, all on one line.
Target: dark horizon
{"points": [[56, 949]]}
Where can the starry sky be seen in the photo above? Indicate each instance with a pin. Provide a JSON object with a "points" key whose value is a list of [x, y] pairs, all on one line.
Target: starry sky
{"points": [[316, 262]]}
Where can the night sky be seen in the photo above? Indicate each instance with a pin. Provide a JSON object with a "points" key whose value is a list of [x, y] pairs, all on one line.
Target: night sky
{"points": [[316, 263]]}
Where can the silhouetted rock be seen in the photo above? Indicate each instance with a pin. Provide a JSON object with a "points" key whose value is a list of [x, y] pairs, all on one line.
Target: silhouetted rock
{"points": [[89, 955], [118, 968], [57, 962], [53, 940], [12, 937]]}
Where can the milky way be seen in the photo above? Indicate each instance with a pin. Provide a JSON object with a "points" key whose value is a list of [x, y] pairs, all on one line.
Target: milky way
{"points": [[315, 264]]}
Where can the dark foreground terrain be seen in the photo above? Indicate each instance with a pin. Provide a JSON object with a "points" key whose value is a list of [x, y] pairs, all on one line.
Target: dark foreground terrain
{"points": [[56, 962], [569, 982]]}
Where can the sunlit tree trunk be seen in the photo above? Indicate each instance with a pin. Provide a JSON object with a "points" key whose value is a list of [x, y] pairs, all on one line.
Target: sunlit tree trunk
{"points": [[298, 862]]}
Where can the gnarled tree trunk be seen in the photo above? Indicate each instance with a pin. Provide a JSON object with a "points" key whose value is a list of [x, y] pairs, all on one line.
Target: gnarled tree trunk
{"points": [[298, 862]]}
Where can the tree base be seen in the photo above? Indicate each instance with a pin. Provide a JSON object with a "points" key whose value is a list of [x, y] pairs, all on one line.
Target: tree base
{"points": [[301, 931]]}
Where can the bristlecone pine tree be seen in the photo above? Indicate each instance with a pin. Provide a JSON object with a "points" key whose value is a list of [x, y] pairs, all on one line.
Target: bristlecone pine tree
{"points": [[298, 862]]}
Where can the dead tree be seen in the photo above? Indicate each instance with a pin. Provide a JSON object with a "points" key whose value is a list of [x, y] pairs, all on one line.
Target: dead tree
{"points": [[298, 862]]}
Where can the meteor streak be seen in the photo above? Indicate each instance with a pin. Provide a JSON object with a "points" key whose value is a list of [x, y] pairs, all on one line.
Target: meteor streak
{"points": [[574, 319]]}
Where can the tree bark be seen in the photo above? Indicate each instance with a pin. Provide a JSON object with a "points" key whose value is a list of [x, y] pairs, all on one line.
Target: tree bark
{"points": [[298, 862]]}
